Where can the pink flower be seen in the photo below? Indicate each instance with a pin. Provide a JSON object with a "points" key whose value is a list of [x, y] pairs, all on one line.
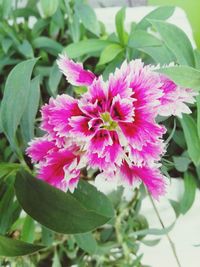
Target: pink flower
{"points": [[174, 98], [112, 127]]}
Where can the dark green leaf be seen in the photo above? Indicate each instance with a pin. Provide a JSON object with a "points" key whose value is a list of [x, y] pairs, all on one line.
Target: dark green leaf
{"points": [[82, 211], [160, 13], [7, 168], [176, 40], [12, 248], [192, 138], [86, 46], [28, 118]]}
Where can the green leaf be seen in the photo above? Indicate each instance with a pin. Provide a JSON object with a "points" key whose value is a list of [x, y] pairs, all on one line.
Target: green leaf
{"points": [[7, 168], [140, 39], [6, 8], [176, 207], [119, 24], [28, 118], [198, 115], [160, 13], [49, 7], [87, 242], [192, 138], [183, 75], [28, 230], [189, 193], [176, 40], [15, 97], [197, 58], [26, 49], [181, 163], [56, 260], [84, 47], [154, 231], [80, 212], [13, 248], [88, 17], [150, 243], [109, 53], [48, 44], [54, 80], [47, 236]]}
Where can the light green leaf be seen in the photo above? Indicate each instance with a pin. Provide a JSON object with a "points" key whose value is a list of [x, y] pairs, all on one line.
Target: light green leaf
{"points": [[7, 168], [56, 260], [192, 138], [28, 118], [183, 75], [28, 230], [49, 7], [176, 40], [109, 53], [197, 58], [160, 13], [13, 248], [181, 163], [120, 28], [198, 115], [87, 242], [80, 212], [150, 243], [86, 46], [15, 97], [189, 193], [26, 49], [140, 39], [88, 17]]}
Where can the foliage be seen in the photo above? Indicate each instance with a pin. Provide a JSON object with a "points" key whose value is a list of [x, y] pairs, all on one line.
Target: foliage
{"points": [[29, 76]]}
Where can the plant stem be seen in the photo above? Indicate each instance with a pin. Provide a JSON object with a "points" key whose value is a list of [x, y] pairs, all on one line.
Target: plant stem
{"points": [[167, 235]]}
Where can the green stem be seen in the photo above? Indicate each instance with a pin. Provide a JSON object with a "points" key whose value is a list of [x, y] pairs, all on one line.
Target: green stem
{"points": [[167, 235]]}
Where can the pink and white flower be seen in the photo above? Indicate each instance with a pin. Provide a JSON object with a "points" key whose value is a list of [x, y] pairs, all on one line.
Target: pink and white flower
{"points": [[112, 127]]}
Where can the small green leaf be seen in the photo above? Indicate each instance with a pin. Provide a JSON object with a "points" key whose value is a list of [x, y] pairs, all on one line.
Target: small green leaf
{"points": [[176, 40], [28, 117], [54, 79], [189, 193], [181, 163], [15, 97], [88, 17], [80, 212], [160, 13], [150, 243], [86, 46], [28, 230], [183, 75], [49, 7], [87, 242], [109, 53], [192, 138], [119, 23], [26, 49], [56, 260], [13, 248]]}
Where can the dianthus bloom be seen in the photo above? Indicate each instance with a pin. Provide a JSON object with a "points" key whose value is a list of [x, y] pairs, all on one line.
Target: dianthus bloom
{"points": [[112, 127]]}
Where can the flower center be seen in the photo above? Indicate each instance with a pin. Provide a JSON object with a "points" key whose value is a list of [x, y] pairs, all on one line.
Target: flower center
{"points": [[109, 123]]}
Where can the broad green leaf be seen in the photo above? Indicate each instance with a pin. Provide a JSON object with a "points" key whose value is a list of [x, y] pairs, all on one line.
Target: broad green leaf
{"points": [[109, 53], [26, 49], [80, 212], [86, 46], [181, 163], [15, 97], [120, 28], [54, 80], [87, 242], [183, 75], [154, 231], [47, 236], [192, 138], [189, 193], [6, 8], [176, 40], [28, 117], [160, 13], [88, 17], [48, 44], [13, 248], [140, 39], [28, 230], [49, 7]]}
